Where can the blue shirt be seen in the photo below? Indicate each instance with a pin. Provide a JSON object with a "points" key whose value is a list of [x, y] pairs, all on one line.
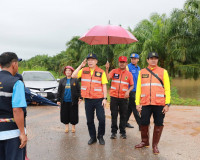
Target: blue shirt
{"points": [[18, 101], [135, 71], [18, 97], [67, 94]]}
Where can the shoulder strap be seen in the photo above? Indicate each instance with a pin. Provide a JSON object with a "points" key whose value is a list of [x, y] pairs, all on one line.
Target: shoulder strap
{"points": [[155, 76]]}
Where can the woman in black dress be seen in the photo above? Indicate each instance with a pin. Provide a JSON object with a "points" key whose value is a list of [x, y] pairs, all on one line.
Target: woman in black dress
{"points": [[68, 99]]}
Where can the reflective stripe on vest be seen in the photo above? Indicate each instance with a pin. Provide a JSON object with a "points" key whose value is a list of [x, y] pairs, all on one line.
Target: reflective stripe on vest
{"points": [[113, 87], [95, 81], [86, 80], [152, 84], [83, 88], [120, 82], [97, 89], [89, 80], [5, 94], [160, 95]]}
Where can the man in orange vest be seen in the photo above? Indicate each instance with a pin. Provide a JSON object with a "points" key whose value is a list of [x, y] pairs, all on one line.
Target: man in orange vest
{"points": [[94, 91], [152, 97], [121, 85]]}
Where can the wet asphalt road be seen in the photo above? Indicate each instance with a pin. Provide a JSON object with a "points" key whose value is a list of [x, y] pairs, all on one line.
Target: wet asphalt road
{"points": [[48, 141]]}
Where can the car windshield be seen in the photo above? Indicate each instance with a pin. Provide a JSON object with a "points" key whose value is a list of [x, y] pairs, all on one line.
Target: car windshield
{"points": [[38, 76]]}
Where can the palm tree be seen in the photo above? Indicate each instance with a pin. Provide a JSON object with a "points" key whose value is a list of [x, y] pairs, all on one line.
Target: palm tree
{"points": [[184, 44]]}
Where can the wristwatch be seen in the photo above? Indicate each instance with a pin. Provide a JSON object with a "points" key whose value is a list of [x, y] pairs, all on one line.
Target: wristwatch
{"points": [[105, 98], [168, 105]]}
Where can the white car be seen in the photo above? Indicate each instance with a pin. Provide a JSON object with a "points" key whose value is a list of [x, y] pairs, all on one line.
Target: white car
{"points": [[42, 83]]}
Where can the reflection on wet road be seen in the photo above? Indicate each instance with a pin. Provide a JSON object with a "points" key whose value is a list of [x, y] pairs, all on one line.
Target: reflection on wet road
{"points": [[48, 141]]}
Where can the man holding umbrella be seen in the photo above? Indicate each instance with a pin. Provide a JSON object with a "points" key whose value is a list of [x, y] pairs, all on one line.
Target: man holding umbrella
{"points": [[94, 90]]}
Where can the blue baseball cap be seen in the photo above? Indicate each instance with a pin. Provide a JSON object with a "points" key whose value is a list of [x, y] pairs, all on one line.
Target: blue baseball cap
{"points": [[134, 55], [92, 55]]}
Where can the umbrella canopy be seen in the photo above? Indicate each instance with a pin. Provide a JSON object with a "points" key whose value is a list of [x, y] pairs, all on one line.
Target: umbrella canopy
{"points": [[109, 34]]}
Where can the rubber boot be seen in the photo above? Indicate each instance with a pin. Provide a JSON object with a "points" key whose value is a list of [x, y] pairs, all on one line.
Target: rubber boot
{"points": [[156, 137], [144, 137]]}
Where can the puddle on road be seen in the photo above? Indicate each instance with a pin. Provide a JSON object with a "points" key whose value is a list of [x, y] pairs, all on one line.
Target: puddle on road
{"points": [[179, 126], [197, 131], [185, 128]]}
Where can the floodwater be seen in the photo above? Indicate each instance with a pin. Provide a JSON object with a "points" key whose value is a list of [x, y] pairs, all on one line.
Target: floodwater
{"points": [[187, 88]]}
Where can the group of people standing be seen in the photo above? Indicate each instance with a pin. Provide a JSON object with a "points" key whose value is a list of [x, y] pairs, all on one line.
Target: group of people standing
{"points": [[148, 91]]}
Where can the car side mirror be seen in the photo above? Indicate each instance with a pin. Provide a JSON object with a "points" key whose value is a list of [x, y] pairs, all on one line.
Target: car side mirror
{"points": [[58, 80]]}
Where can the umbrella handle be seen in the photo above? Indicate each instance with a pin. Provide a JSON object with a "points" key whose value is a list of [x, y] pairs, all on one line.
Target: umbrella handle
{"points": [[107, 49]]}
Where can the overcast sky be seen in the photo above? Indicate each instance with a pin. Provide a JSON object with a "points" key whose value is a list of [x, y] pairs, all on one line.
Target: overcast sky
{"points": [[32, 27]]}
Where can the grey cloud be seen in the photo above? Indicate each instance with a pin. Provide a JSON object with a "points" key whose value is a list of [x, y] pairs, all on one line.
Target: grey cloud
{"points": [[43, 27]]}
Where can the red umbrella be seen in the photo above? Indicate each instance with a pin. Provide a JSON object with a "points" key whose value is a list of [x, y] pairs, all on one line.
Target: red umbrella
{"points": [[109, 34]]}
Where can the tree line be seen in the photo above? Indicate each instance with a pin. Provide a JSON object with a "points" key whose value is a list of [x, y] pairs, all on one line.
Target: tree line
{"points": [[175, 38]]}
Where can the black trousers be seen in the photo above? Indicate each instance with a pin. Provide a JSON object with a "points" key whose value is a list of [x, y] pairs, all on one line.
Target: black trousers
{"points": [[132, 108], [118, 105], [158, 116], [69, 113], [9, 149], [90, 106]]}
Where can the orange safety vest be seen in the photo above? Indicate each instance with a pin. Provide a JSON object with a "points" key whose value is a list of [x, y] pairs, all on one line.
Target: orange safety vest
{"points": [[91, 86], [120, 83], [152, 91]]}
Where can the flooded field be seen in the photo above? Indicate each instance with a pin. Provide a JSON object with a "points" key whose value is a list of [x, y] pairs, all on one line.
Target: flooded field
{"points": [[187, 88]]}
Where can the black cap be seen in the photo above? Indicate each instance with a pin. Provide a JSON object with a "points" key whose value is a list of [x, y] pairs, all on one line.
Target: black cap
{"points": [[152, 54], [92, 55]]}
